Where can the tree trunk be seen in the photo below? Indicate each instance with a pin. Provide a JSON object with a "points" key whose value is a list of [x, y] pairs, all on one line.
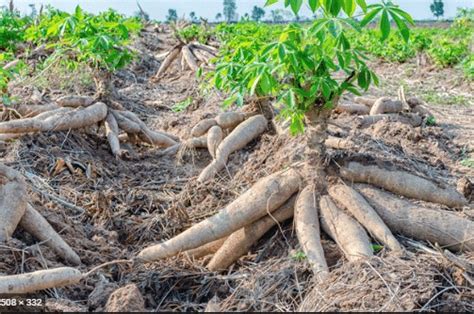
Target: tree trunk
{"points": [[316, 135]]}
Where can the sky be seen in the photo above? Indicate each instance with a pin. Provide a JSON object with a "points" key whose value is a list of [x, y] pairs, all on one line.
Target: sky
{"points": [[158, 9]]}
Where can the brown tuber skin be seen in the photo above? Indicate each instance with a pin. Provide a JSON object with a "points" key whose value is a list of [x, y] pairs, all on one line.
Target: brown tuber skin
{"points": [[202, 127], [356, 204], [12, 201], [190, 59], [39, 280], [75, 101], [237, 139], [214, 138], [206, 249], [229, 120], [386, 105], [353, 108], [366, 101], [403, 183], [437, 226], [36, 225], [348, 234], [240, 242], [61, 121], [263, 197], [308, 231], [166, 63]]}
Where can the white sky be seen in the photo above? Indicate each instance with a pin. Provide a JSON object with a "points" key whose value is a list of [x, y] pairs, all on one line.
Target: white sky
{"points": [[158, 9]]}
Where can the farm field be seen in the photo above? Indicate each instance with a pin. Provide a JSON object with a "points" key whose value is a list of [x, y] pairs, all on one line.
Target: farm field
{"points": [[326, 166]]}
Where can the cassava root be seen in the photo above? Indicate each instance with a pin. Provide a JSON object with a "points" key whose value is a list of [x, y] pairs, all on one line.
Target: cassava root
{"points": [[39, 280], [240, 242], [308, 231], [348, 233], [243, 134], [436, 226], [403, 183], [263, 197], [355, 203]]}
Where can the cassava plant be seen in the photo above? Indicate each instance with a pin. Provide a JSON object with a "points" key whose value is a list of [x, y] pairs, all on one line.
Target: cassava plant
{"points": [[192, 50], [299, 74], [100, 43]]}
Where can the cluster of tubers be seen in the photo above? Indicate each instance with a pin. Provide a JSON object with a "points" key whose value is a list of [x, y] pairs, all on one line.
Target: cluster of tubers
{"points": [[226, 133], [15, 210], [351, 216], [189, 56], [81, 112], [372, 110], [352, 213]]}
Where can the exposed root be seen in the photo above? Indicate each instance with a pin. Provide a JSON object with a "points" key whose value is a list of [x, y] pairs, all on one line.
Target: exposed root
{"points": [[240, 242], [12, 202], [202, 127], [366, 101], [214, 138], [112, 133], [188, 56], [355, 203], [190, 59], [35, 224], [348, 233], [308, 231], [75, 101], [386, 105], [237, 139], [437, 226], [403, 183], [263, 197], [39, 280], [15, 210], [406, 118], [206, 249], [353, 108]]}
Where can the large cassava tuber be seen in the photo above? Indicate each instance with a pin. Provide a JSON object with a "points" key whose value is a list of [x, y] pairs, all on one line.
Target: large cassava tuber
{"points": [[229, 120], [437, 226], [355, 203], [366, 101], [386, 105], [39, 280], [206, 249], [403, 183], [352, 108], [263, 197], [202, 127], [308, 231], [61, 121], [240, 242], [243, 134], [36, 225], [15, 210], [214, 138], [75, 101], [411, 119], [348, 233], [12, 206]]}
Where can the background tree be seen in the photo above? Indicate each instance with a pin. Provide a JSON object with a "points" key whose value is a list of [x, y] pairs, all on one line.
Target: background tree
{"points": [[142, 14], [276, 16], [218, 16], [34, 12], [437, 7], [230, 8], [193, 17], [172, 15], [257, 13]]}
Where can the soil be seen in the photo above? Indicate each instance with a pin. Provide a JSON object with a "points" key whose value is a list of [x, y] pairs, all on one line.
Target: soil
{"points": [[130, 204]]}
